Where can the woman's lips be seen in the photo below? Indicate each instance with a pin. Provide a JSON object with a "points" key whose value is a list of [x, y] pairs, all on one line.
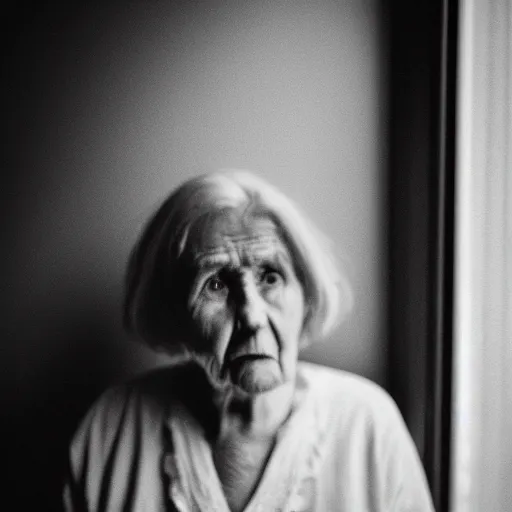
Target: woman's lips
{"points": [[236, 362], [261, 346], [242, 358]]}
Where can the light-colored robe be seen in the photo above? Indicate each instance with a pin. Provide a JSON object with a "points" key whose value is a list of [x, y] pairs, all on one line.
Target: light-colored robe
{"points": [[345, 448]]}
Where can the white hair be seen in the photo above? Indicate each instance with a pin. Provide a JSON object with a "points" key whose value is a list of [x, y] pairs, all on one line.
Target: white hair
{"points": [[157, 277]]}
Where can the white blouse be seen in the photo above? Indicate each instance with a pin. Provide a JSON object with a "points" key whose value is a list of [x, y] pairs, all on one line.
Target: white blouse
{"points": [[345, 448]]}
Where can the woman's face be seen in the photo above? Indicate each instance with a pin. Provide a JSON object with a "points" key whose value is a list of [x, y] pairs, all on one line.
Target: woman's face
{"points": [[245, 302]]}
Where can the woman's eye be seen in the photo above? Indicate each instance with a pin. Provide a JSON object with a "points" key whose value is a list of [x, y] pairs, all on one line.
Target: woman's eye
{"points": [[215, 285], [270, 278]]}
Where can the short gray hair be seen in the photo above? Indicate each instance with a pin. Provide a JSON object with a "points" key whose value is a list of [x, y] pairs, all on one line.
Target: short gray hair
{"points": [[156, 275]]}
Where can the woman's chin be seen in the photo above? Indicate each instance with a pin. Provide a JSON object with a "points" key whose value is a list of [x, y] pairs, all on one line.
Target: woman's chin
{"points": [[256, 375]]}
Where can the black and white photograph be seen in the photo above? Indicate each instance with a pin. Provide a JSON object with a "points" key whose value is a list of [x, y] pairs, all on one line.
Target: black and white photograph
{"points": [[258, 256]]}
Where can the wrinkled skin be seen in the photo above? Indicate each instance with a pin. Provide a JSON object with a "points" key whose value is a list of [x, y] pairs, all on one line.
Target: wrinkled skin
{"points": [[245, 302]]}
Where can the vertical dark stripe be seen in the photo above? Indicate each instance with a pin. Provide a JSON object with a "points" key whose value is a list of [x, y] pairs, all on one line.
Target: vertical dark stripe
{"points": [[441, 258]]}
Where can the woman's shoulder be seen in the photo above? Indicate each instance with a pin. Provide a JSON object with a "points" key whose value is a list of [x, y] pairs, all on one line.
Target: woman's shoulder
{"points": [[152, 389], [365, 436], [124, 428], [140, 402], [349, 394], [341, 381]]}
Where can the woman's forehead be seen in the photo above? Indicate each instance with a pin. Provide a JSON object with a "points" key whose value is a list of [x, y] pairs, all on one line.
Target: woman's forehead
{"points": [[226, 229]]}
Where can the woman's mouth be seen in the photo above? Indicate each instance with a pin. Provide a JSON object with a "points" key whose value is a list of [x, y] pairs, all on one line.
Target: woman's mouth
{"points": [[243, 358]]}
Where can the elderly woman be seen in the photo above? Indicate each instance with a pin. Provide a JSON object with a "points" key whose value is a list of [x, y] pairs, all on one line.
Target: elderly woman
{"points": [[231, 280]]}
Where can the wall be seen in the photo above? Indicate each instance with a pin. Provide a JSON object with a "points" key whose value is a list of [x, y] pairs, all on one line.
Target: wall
{"points": [[111, 106]]}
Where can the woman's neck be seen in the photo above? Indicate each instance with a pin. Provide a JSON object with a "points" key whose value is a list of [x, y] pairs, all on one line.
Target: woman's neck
{"points": [[228, 410], [255, 416]]}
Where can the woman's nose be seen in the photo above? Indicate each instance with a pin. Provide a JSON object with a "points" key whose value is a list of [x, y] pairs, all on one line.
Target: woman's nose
{"points": [[251, 308]]}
